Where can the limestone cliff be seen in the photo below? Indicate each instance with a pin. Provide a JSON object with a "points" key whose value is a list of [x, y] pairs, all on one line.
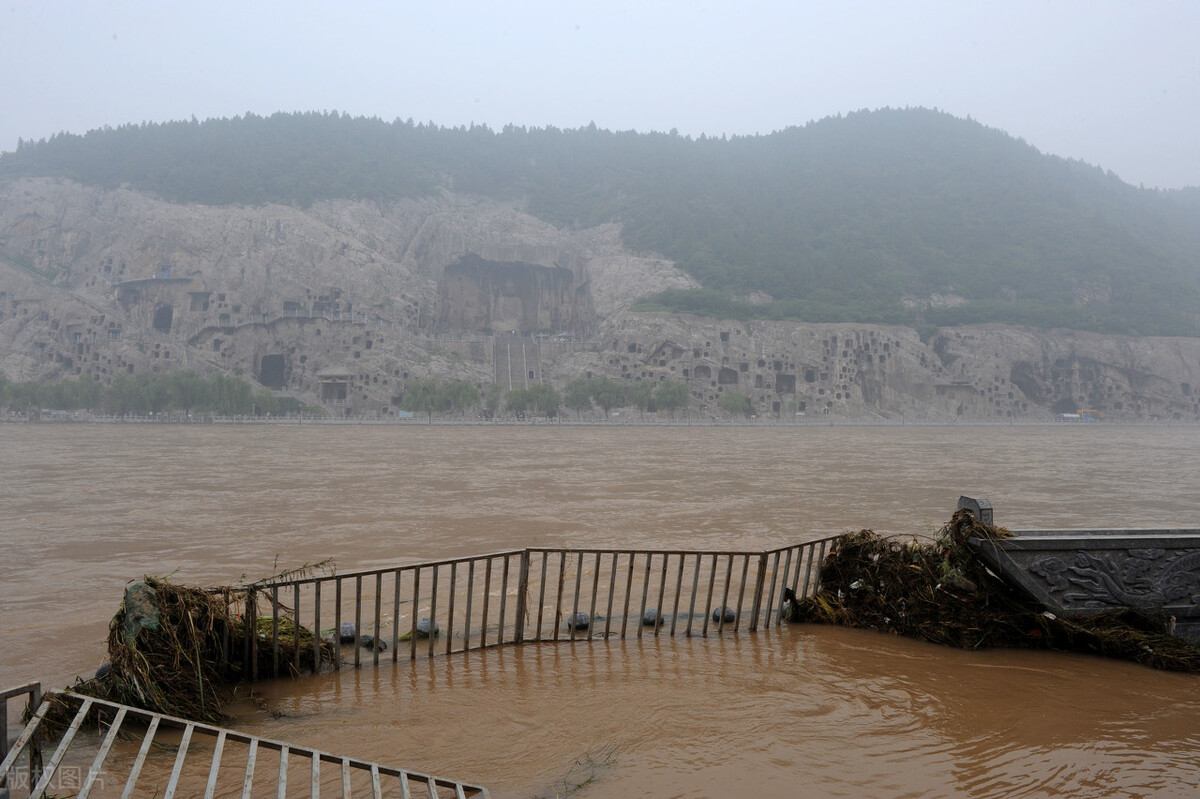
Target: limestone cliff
{"points": [[367, 296], [985, 373], [480, 295]]}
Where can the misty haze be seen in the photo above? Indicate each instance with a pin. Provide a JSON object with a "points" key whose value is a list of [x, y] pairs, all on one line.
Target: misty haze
{"points": [[545, 414]]}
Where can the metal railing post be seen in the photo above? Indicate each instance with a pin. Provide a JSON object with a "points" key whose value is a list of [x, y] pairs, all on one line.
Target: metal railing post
{"points": [[758, 589], [3, 733], [251, 617], [522, 599], [35, 743]]}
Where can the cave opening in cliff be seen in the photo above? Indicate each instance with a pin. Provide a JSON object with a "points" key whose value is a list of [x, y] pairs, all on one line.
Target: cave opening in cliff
{"points": [[1065, 405], [271, 372], [163, 317]]}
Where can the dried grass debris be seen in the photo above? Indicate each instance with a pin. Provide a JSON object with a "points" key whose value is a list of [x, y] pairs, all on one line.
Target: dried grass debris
{"points": [[938, 591]]}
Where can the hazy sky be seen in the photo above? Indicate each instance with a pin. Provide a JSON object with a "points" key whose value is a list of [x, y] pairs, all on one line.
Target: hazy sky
{"points": [[1115, 84]]}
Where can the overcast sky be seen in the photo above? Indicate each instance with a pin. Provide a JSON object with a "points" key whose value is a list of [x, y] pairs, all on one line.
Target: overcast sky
{"points": [[1116, 84]]}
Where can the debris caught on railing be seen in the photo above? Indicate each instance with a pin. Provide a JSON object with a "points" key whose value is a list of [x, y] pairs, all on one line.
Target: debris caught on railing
{"points": [[940, 592], [182, 650], [179, 649]]}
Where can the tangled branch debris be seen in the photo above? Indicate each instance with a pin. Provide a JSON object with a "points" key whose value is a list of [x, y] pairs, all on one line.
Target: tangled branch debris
{"points": [[940, 592], [181, 650]]}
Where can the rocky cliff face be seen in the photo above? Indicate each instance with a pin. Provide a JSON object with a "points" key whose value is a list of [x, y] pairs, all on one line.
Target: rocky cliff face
{"points": [[97, 283], [987, 373], [479, 295]]}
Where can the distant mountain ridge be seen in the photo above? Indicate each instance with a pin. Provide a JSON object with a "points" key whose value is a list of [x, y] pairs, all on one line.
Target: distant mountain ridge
{"points": [[909, 217], [346, 303]]}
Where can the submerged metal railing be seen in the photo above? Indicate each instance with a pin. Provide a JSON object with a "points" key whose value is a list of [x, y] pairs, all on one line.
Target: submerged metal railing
{"points": [[522, 596], [31, 694], [423, 609], [207, 761]]}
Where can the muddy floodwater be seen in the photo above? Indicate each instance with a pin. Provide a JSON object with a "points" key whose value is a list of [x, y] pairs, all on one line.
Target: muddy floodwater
{"points": [[789, 711]]}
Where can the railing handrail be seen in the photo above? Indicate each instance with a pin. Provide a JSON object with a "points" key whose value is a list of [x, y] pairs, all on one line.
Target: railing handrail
{"points": [[722, 552], [31, 688], [517, 596], [825, 540], [268, 584]]}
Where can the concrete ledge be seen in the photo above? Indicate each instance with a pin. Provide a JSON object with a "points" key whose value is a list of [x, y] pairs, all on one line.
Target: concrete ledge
{"points": [[1083, 572]]}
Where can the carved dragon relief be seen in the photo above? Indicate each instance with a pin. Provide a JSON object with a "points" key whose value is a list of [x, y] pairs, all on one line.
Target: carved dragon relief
{"points": [[1138, 578]]}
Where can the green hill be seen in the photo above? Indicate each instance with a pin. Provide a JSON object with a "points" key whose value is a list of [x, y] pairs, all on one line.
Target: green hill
{"points": [[864, 217]]}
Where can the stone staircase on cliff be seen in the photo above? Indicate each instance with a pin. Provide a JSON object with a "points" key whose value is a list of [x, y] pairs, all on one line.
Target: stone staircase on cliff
{"points": [[517, 361]]}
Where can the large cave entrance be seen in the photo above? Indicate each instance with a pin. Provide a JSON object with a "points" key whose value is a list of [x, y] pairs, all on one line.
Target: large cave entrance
{"points": [[514, 297], [272, 371], [163, 316]]}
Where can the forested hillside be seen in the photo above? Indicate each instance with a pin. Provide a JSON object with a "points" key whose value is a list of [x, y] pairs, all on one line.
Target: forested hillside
{"points": [[895, 216]]}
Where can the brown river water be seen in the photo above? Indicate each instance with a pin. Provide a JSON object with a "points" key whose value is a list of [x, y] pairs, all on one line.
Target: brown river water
{"points": [[789, 711]]}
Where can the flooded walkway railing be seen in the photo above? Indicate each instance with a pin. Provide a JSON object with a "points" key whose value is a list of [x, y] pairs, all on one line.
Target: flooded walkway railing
{"points": [[205, 761], [528, 595], [419, 609], [19, 698], [422, 609]]}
